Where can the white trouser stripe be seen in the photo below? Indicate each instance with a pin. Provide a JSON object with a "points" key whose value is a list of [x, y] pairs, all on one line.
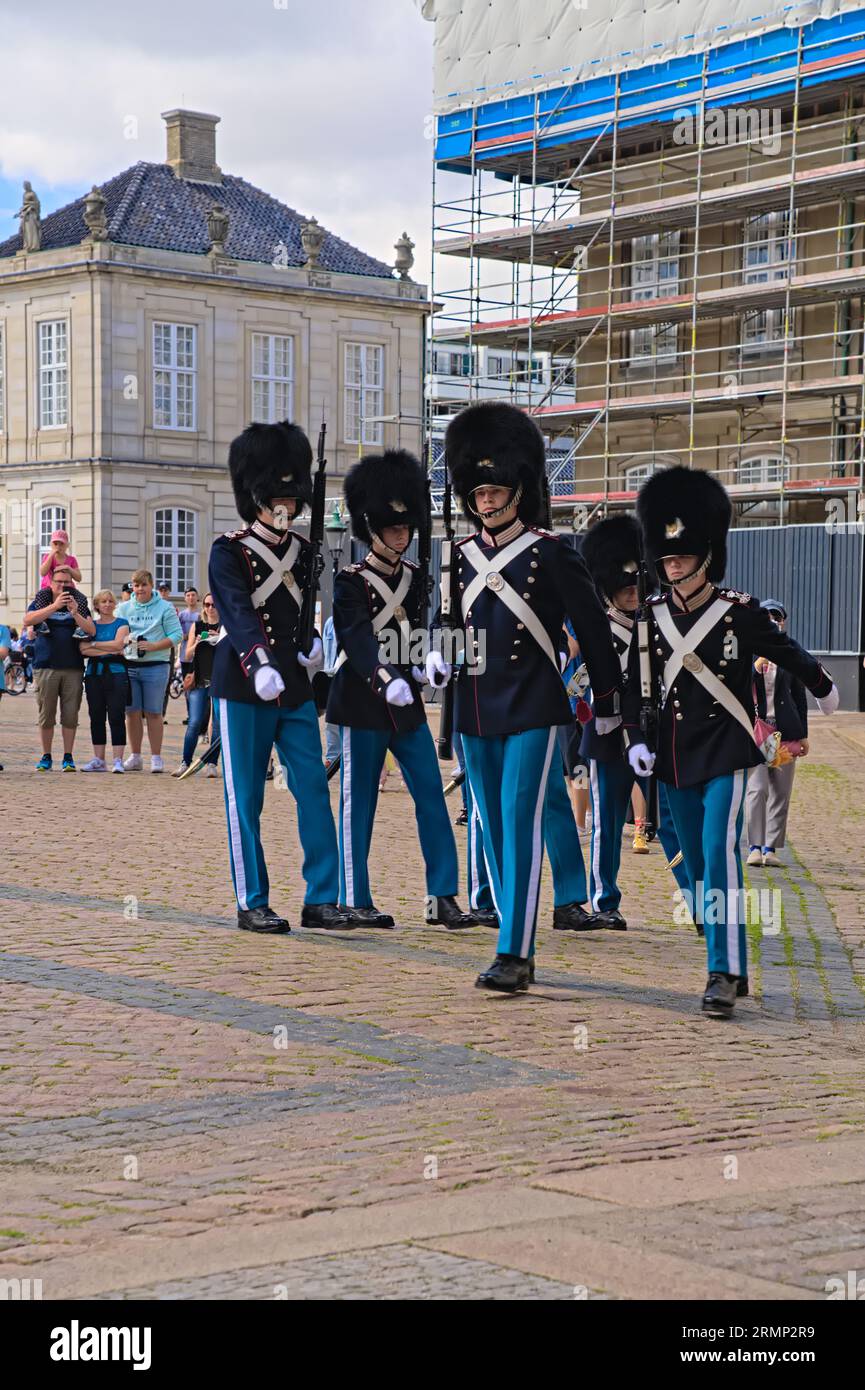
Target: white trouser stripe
{"points": [[235, 842], [537, 850], [732, 895], [596, 834], [474, 886], [348, 858]]}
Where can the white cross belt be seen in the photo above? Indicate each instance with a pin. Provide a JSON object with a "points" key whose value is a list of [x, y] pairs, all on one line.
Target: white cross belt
{"points": [[392, 599], [484, 567], [683, 647], [278, 571]]}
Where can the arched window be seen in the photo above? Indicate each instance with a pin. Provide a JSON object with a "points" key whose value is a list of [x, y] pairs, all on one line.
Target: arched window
{"points": [[765, 468], [174, 548], [637, 474], [50, 519]]}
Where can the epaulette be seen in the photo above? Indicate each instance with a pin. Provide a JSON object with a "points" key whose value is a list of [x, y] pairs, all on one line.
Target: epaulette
{"points": [[549, 535], [657, 598], [353, 569], [236, 535], [735, 595]]}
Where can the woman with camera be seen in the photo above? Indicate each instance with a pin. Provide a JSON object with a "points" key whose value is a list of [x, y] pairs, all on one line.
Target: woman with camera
{"points": [[200, 644], [106, 683]]}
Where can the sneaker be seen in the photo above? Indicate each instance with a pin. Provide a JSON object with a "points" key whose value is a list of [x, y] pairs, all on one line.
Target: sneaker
{"points": [[68, 763], [179, 771], [755, 858], [156, 763], [134, 763], [45, 763], [641, 844], [212, 770], [118, 765], [770, 858], [95, 765]]}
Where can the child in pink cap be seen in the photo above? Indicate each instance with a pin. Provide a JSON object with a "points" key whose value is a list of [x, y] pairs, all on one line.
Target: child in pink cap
{"points": [[58, 555]]}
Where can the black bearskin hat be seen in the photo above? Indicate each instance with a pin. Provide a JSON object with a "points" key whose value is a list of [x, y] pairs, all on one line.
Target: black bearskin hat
{"points": [[269, 461], [685, 511], [611, 551], [498, 445], [385, 490]]}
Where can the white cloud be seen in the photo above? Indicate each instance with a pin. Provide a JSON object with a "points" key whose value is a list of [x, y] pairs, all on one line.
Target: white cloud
{"points": [[322, 106]]}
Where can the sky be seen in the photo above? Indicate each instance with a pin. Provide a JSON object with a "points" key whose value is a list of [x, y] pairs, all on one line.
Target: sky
{"points": [[324, 103]]}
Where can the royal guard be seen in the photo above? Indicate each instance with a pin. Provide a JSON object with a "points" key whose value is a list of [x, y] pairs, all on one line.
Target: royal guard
{"points": [[375, 696], [260, 577], [512, 584], [611, 551], [703, 640]]}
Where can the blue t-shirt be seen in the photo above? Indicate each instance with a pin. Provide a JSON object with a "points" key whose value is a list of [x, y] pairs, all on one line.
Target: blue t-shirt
{"points": [[56, 646], [104, 633], [5, 636]]}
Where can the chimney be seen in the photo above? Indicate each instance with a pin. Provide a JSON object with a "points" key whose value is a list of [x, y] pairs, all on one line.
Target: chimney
{"points": [[191, 145]]}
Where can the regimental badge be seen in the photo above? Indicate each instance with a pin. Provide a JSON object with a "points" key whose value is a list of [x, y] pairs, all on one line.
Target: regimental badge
{"points": [[288, 579], [399, 613], [674, 529], [485, 463], [692, 662], [495, 581], [398, 507]]}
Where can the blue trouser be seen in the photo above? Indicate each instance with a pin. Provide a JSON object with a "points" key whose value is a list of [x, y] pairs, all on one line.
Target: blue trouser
{"points": [[198, 704], [670, 842], [249, 732], [508, 777], [363, 755], [561, 841], [708, 823], [611, 786]]}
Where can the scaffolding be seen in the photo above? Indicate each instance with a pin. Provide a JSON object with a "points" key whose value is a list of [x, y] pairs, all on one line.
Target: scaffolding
{"points": [[681, 246]]}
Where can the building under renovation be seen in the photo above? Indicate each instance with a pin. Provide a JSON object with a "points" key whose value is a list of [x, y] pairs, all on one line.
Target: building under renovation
{"points": [[649, 219]]}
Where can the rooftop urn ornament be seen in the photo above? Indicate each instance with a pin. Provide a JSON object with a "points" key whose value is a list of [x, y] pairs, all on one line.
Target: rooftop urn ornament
{"points": [[217, 228], [94, 215], [312, 240], [31, 220], [404, 248]]}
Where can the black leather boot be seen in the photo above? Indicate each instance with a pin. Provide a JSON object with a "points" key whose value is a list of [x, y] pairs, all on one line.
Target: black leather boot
{"points": [[613, 921], [484, 917], [720, 997], [446, 912], [572, 917], [366, 917], [261, 919], [326, 916], [508, 974]]}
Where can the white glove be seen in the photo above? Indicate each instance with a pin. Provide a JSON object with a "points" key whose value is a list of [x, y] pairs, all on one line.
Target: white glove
{"points": [[420, 675], [268, 683], [399, 693], [641, 760], [437, 669], [315, 660], [830, 702], [606, 723]]}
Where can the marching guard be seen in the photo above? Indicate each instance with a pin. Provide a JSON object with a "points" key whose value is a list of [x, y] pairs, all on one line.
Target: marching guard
{"points": [[378, 612], [513, 584], [262, 680], [703, 641], [612, 554]]}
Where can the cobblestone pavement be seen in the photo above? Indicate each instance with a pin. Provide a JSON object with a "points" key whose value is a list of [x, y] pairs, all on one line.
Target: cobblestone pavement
{"points": [[187, 1111]]}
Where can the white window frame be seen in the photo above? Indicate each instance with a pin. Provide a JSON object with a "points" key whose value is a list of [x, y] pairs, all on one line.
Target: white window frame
{"points": [[654, 275], [51, 517], [2, 386], [176, 375], [270, 385], [460, 357], [766, 256], [637, 473], [763, 469], [52, 368], [363, 399], [175, 562]]}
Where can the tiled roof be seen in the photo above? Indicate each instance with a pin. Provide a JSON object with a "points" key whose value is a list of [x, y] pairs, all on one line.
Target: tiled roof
{"points": [[148, 205]]}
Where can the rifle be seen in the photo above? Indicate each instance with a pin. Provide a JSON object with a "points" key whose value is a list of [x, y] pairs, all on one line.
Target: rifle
{"points": [[648, 688], [424, 554], [444, 743], [545, 516], [306, 630]]}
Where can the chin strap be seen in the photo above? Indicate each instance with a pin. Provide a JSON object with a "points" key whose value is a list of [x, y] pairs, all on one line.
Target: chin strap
{"points": [[695, 574], [388, 550], [513, 500]]}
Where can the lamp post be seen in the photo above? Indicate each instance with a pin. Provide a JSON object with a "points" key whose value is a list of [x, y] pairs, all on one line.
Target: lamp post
{"points": [[334, 529]]}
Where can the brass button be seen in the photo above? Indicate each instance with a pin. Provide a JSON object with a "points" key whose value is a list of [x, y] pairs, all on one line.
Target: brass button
{"points": [[516, 641], [526, 595], [495, 581], [722, 663], [399, 613], [531, 579], [659, 651], [676, 703], [265, 616], [534, 564], [520, 627], [535, 550], [680, 716], [513, 658], [270, 629]]}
